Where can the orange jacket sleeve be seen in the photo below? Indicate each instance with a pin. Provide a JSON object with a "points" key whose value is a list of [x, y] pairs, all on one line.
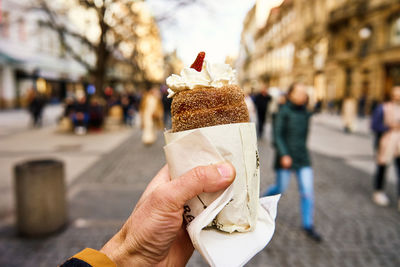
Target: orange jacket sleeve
{"points": [[89, 257]]}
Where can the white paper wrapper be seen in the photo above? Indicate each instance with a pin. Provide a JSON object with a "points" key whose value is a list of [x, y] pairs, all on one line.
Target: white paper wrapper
{"points": [[245, 226], [236, 143], [222, 249]]}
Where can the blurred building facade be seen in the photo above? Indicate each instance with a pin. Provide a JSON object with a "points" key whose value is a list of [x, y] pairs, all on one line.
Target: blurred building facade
{"points": [[29, 51], [145, 49], [148, 45], [247, 49], [364, 52], [173, 64], [339, 48]]}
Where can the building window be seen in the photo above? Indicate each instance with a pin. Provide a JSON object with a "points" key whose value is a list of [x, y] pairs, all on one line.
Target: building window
{"points": [[21, 30], [349, 46], [5, 24], [395, 32], [347, 90], [365, 35]]}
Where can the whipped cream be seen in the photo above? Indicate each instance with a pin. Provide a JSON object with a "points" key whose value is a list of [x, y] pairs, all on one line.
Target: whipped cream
{"points": [[211, 75]]}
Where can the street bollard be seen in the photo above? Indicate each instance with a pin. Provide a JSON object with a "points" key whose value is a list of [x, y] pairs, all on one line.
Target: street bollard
{"points": [[40, 197]]}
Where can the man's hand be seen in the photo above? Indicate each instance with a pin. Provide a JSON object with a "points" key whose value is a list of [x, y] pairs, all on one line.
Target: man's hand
{"points": [[286, 162], [154, 233]]}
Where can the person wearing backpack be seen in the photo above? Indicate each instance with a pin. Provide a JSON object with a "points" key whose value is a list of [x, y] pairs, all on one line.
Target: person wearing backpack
{"points": [[385, 124]]}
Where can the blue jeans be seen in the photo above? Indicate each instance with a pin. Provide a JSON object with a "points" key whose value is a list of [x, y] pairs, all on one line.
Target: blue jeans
{"points": [[84, 122], [305, 182]]}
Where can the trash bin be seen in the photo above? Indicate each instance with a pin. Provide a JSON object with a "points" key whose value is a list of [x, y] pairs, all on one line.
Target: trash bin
{"points": [[41, 206]]}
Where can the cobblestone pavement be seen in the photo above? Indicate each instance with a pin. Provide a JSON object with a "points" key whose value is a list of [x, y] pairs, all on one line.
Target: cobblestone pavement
{"points": [[355, 232], [19, 120], [77, 152]]}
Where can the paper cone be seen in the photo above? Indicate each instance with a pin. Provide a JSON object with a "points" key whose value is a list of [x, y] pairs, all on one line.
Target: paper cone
{"points": [[236, 143]]}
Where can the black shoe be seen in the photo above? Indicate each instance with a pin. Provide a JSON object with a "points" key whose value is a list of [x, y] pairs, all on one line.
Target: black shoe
{"points": [[311, 233]]}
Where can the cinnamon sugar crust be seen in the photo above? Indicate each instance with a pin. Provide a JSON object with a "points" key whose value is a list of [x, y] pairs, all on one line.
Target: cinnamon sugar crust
{"points": [[208, 106]]}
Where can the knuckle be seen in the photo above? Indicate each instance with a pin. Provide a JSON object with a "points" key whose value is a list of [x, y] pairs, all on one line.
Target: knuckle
{"points": [[156, 197], [162, 199], [199, 173]]}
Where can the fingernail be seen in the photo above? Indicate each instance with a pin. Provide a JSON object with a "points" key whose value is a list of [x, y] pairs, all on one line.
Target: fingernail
{"points": [[226, 171]]}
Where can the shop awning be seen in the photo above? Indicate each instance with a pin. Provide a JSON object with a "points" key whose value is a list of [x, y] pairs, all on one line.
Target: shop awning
{"points": [[8, 60], [49, 66]]}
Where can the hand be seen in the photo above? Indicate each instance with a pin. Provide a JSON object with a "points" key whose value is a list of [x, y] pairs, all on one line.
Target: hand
{"points": [[154, 233], [286, 162]]}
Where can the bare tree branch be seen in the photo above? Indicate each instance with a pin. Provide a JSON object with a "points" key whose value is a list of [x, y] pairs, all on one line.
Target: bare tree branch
{"points": [[118, 22], [62, 32], [87, 4], [67, 31], [168, 15]]}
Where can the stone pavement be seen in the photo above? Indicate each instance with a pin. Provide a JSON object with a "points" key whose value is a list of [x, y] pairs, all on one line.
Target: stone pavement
{"points": [[356, 149], [20, 142], [18, 120], [356, 233]]}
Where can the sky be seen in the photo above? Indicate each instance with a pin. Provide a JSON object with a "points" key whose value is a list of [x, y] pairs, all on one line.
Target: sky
{"points": [[215, 29]]}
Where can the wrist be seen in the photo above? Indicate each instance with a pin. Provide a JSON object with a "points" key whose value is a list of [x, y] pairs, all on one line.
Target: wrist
{"points": [[123, 252]]}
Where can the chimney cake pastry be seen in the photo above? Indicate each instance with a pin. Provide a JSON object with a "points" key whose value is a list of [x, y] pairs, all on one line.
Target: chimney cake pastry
{"points": [[206, 95]]}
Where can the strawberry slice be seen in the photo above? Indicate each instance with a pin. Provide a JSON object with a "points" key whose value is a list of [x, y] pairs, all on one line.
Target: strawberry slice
{"points": [[198, 63]]}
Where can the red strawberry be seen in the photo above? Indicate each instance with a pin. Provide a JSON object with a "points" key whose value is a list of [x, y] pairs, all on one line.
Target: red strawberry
{"points": [[198, 63]]}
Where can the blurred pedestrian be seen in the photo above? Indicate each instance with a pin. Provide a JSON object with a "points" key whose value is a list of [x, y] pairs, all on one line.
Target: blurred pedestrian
{"points": [[167, 106], [96, 113], [318, 106], [251, 107], [349, 114], [386, 126], [374, 105], [68, 107], [108, 93], [151, 113], [362, 103], [339, 105], [290, 131], [127, 109], [80, 118], [36, 106], [277, 102], [331, 106], [261, 100], [65, 122]]}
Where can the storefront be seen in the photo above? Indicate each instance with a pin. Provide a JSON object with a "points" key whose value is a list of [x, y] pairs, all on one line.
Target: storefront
{"points": [[18, 77]]}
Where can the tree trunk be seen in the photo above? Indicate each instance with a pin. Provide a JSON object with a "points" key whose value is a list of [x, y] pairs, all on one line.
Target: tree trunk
{"points": [[102, 55]]}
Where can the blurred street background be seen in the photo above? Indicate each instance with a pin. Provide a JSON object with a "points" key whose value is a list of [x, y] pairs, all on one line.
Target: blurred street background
{"points": [[76, 78]]}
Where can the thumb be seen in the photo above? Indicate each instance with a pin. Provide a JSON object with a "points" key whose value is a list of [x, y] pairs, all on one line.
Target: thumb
{"points": [[201, 179]]}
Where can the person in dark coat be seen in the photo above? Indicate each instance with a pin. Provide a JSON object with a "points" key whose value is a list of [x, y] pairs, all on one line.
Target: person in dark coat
{"points": [[80, 118], [261, 100], [36, 107], [127, 109], [290, 131], [69, 107], [96, 113]]}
